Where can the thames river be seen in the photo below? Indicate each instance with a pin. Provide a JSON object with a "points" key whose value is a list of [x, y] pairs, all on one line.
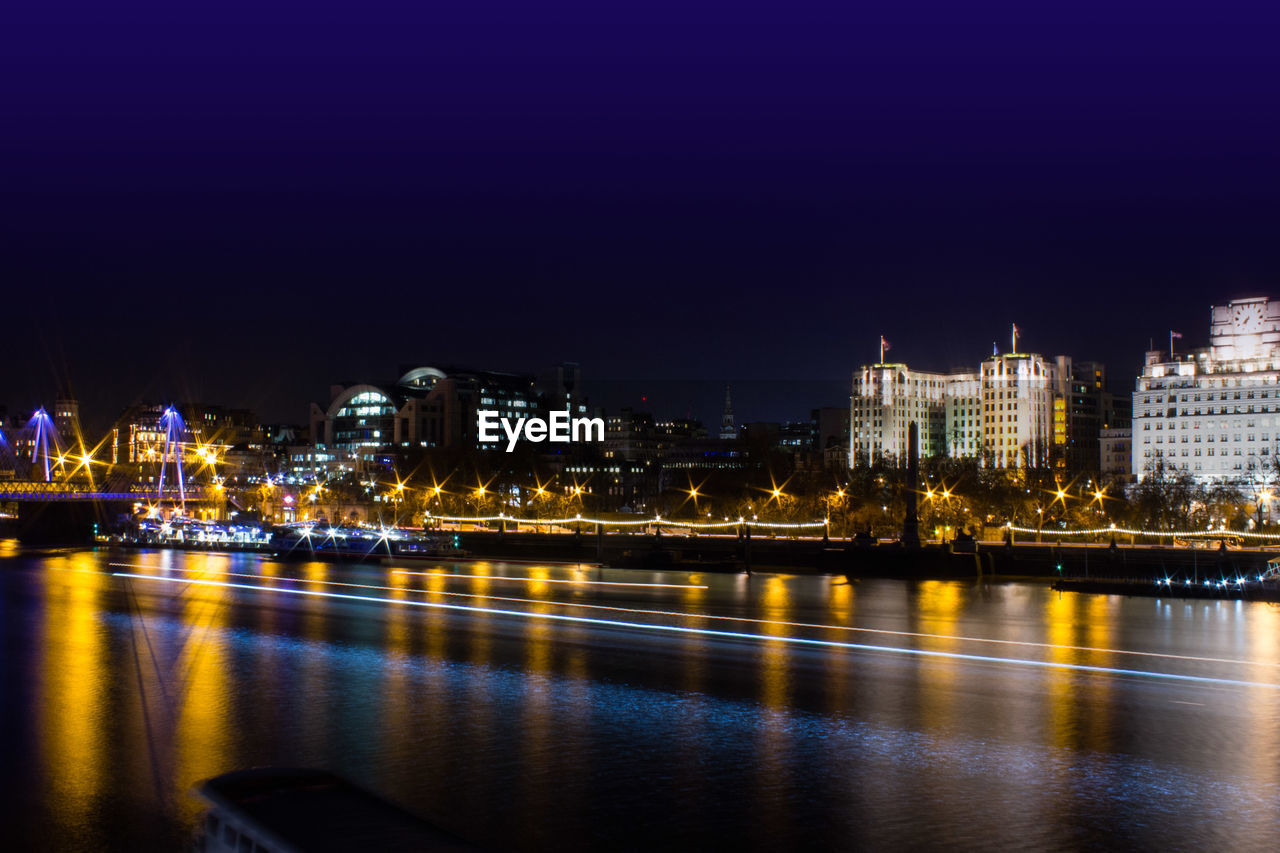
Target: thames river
{"points": [[540, 707]]}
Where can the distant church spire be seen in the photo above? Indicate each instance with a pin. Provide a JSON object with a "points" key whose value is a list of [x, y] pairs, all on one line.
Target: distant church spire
{"points": [[727, 429]]}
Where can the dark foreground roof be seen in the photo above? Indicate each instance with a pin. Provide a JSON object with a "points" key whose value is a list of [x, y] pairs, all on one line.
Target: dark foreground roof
{"points": [[314, 810]]}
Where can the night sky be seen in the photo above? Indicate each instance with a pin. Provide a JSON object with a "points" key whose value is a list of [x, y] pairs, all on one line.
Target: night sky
{"points": [[244, 202]]}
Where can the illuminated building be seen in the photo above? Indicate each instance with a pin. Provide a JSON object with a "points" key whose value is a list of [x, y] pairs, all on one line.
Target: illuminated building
{"points": [[1017, 409], [138, 437], [887, 398], [963, 415], [66, 417], [1212, 412], [1116, 453], [1083, 408], [429, 407], [1002, 413]]}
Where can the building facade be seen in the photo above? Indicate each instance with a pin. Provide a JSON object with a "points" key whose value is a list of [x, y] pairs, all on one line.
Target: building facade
{"points": [[1017, 409], [887, 399], [1116, 453], [66, 419], [429, 407], [1214, 412], [964, 415], [1002, 413]]}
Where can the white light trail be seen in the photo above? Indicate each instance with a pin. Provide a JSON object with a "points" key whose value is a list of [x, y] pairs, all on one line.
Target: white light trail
{"points": [[682, 614], [710, 632]]}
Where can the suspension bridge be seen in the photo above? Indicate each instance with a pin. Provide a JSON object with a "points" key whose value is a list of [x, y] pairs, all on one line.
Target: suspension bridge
{"points": [[59, 496]]}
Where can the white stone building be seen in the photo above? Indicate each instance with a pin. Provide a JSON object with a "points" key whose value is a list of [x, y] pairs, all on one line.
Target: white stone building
{"points": [[886, 399], [1002, 412], [1213, 412], [964, 414], [1017, 409]]}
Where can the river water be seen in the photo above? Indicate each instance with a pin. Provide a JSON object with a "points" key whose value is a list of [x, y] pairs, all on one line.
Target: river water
{"points": [[543, 707]]}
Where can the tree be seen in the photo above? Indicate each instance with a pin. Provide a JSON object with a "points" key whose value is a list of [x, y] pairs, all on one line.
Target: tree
{"points": [[1165, 499]]}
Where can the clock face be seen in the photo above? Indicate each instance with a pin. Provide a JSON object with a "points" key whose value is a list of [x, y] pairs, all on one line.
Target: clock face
{"points": [[1248, 317]]}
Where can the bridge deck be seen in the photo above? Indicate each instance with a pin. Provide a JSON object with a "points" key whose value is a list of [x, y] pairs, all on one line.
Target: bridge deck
{"points": [[38, 492]]}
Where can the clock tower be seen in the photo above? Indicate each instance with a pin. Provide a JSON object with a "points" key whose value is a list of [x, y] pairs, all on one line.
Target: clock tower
{"points": [[1245, 328], [1213, 413]]}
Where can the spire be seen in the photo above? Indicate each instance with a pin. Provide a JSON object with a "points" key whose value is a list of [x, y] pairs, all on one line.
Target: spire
{"points": [[727, 429]]}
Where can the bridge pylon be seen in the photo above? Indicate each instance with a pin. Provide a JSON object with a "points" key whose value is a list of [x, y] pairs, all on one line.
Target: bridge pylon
{"points": [[46, 447], [173, 427]]}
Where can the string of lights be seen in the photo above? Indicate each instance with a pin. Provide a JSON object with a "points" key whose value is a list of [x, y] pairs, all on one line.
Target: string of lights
{"points": [[707, 525], [607, 522], [1206, 533]]}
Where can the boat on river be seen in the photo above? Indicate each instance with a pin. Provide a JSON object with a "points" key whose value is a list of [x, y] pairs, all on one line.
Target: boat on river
{"points": [[298, 809], [362, 544], [1264, 586]]}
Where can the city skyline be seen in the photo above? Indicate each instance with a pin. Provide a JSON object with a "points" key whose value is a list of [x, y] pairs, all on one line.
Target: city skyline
{"points": [[674, 198], [700, 398]]}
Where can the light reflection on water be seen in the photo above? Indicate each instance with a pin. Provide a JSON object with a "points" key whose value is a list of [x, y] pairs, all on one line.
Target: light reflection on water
{"points": [[73, 695], [535, 734]]}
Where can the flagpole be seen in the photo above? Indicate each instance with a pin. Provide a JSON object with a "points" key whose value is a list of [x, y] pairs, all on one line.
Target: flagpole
{"points": [[882, 349], [1171, 344]]}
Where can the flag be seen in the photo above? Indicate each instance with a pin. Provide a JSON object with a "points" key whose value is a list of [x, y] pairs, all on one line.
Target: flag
{"points": [[884, 345], [1175, 334]]}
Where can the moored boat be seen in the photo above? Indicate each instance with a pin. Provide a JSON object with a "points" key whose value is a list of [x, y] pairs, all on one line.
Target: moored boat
{"points": [[297, 809]]}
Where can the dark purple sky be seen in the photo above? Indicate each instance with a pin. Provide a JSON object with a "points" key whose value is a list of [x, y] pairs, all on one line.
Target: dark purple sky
{"points": [[246, 201]]}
